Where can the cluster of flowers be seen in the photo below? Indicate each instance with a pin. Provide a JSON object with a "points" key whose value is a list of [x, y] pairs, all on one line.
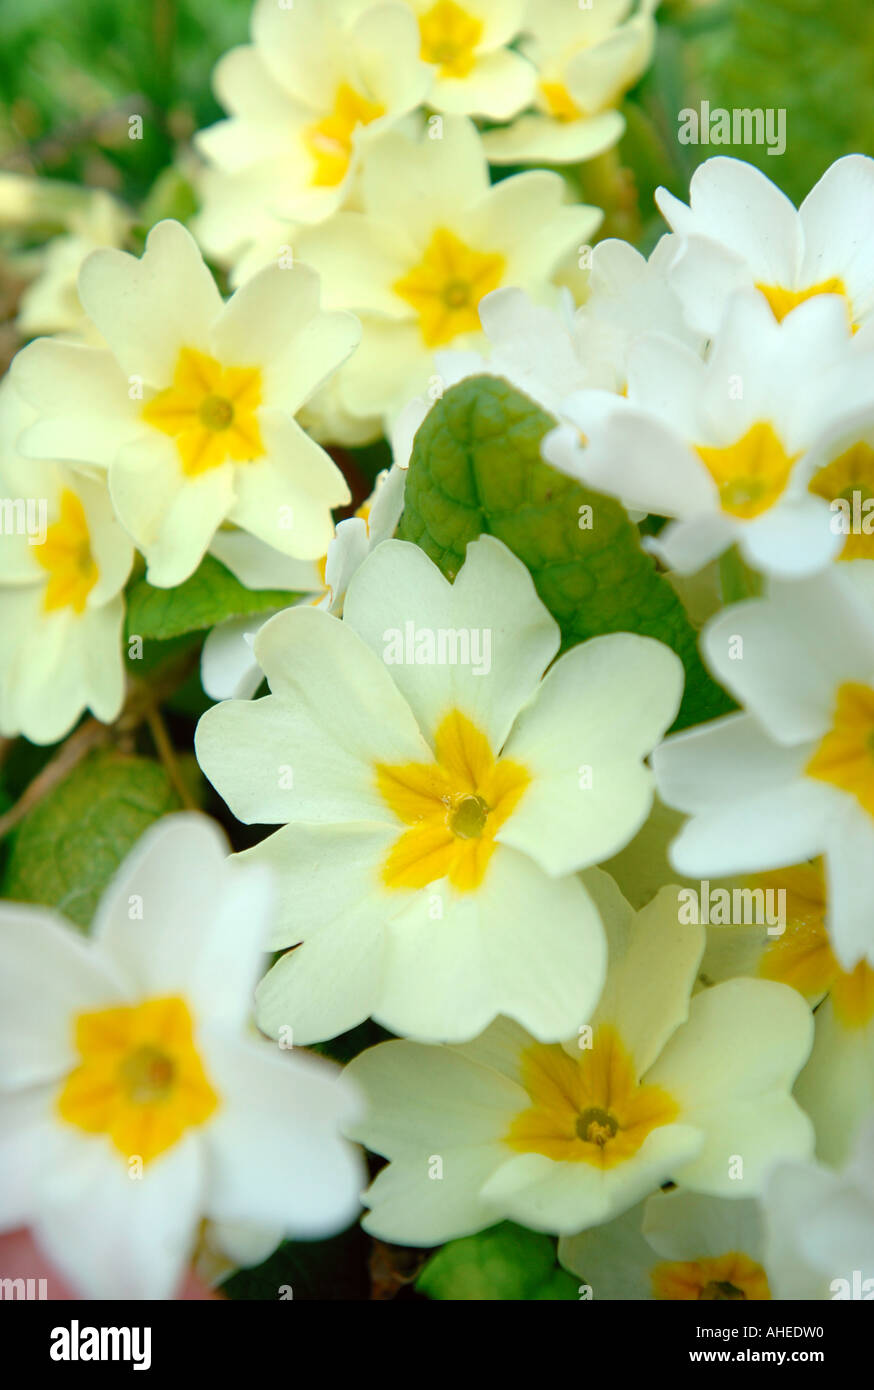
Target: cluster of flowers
{"points": [[472, 856], [161, 419]]}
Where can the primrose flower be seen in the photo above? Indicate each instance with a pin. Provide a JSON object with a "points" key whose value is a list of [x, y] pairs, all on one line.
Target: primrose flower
{"points": [[466, 44], [190, 408], [836, 1087], [229, 669], [552, 354], [792, 777], [819, 1227], [728, 446], [741, 232], [134, 1101], [314, 85], [50, 304], [843, 475], [432, 239], [586, 57], [437, 796], [654, 1088], [64, 561], [675, 1247], [790, 943]]}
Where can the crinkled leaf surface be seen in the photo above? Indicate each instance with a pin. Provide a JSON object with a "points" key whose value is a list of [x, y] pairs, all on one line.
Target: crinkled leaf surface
{"points": [[476, 468], [68, 847], [504, 1262]]}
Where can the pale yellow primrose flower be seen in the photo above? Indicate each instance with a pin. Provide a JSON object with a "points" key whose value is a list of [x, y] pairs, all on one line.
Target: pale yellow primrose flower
{"points": [[64, 561], [50, 304], [135, 1100], [314, 85], [466, 45], [191, 405], [437, 796], [836, 1087], [432, 239], [586, 60], [562, 1137], [675, 1247]]}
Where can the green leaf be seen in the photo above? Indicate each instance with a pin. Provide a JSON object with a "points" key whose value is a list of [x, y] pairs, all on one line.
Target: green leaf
{"points": [[504, 1262], [476, 467], [68, 847], [211, 595]]}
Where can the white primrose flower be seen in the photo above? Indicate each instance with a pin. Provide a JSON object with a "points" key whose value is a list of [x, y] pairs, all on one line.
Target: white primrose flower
{"points": [[819, 1227], [433, 237], [437, 795], [64, 561], [728, 446], [586, 59], [375, 521], [553, 353], [560, 1137], [135, 1102], [792, 776], [677, 1247], [740, 231], [316, 82], [191, 405], [229, 669]]}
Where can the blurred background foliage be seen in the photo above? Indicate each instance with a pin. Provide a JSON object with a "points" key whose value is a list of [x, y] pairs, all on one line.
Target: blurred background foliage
{"points": [[72, 71]]}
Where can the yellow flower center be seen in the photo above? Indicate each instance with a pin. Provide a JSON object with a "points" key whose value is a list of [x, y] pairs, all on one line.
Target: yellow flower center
{"points": [[729, 1276], [140, 1080], [845, 757], [782, 301], [803, 958], [66, 555], [750, 474], [329, 141], [559, 102], [590, 1109], [449, 38], [446, 287], [210, 411], [454, 808], [848, 477]]}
